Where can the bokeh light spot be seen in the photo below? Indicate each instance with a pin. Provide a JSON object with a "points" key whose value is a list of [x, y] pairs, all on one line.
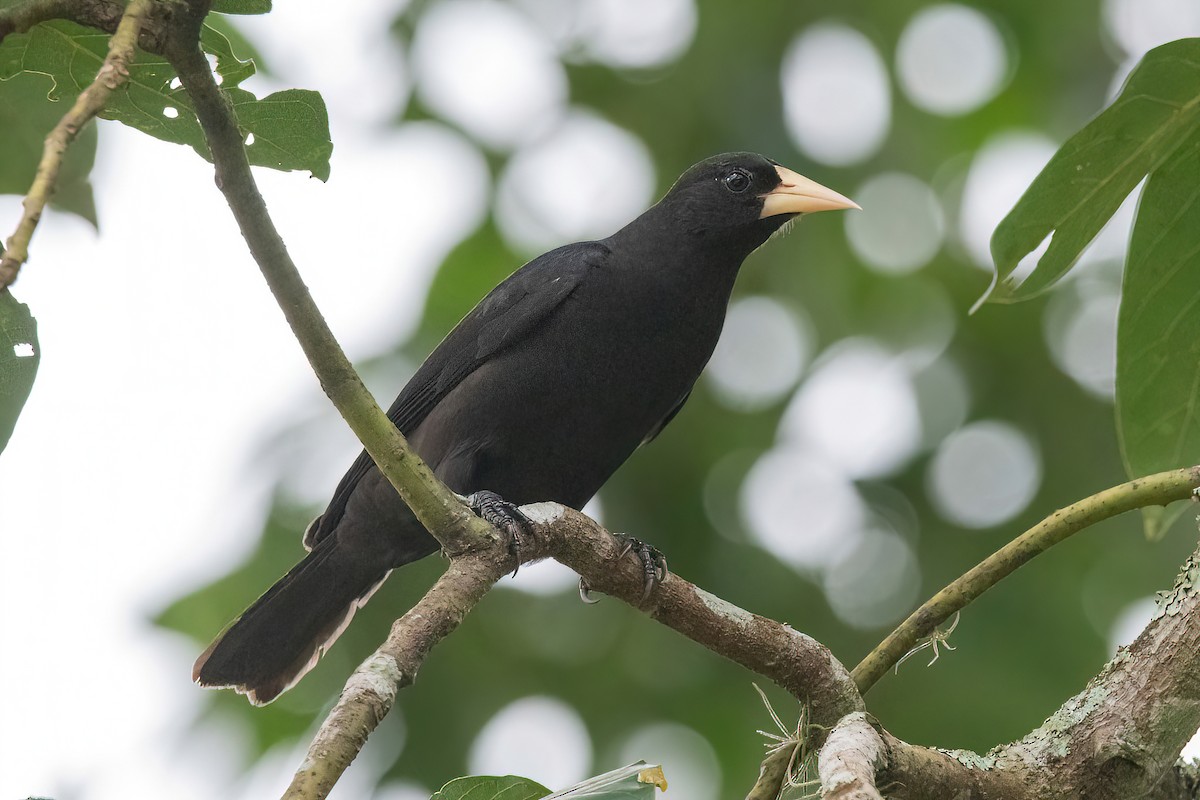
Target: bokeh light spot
{"points": [[943, 400], [539, 206], [984, 474], [836, 100], [1130, 622], [537, 737], [901, 226], [636, 33], [876, 583], [858, 408], [760, 356], [482, 65], [688, 760], [800, 509], [950, 59], [1081, 335], [1138, 25], [1000, 173]]}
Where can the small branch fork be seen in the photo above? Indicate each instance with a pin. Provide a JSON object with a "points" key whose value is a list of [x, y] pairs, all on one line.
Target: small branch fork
{"points": [[112, 75]]}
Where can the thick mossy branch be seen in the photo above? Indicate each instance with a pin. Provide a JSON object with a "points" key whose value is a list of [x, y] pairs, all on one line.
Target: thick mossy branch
{"points": [[1122, 735], [112, 75], [1153, 490], [438, 509]]}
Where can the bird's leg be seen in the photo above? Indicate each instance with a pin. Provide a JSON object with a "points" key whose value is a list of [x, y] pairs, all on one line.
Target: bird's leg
{"points": [[505, 516], [654, 563]]}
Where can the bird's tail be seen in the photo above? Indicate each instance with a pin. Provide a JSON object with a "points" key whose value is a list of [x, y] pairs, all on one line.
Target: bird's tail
{"points": [[280, 637]]}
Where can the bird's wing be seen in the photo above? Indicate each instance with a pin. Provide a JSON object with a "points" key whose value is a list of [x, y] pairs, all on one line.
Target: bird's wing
{"points": [[509, 313], [657, 429]]}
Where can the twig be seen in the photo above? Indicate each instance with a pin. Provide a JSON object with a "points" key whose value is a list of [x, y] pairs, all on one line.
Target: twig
{"points": [[773, 773], [103, 15], [1153, 490], [438, 509], [21, 17], [796, 662], [113, 73]]}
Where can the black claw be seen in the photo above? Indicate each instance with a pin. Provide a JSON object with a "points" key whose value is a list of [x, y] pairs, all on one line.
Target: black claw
{"points": [[654, 563], [505, 516]]}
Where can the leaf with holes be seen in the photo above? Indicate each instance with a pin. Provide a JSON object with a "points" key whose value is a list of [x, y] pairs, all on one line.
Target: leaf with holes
{"points": [[1158, 328], [1083, 185], [20, 355], [290, 129]]}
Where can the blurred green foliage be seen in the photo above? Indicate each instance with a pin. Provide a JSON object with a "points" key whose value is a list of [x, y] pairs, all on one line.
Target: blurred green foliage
{"points": [[1022, 648]]}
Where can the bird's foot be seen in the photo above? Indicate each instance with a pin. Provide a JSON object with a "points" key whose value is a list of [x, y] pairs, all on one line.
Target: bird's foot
{"points": [[654, 567], [654, 563], [505, 516]]}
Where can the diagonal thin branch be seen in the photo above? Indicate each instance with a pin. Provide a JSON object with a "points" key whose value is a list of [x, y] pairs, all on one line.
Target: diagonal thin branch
{"points": [[113, 73], [438, 509], [1152, 490]]}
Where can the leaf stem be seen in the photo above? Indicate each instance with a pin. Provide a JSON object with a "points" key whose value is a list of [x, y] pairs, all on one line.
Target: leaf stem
{"points": [[1153, 490]]}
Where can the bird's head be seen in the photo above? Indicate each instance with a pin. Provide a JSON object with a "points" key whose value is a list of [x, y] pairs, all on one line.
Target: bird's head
{"points": [[744, 198]]}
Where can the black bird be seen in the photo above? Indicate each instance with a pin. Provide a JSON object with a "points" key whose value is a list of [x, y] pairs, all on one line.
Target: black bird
{"points": [[539, 393]]}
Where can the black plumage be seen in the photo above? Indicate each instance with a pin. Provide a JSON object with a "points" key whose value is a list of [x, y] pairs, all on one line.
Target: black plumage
{"points": [[540, 393]]}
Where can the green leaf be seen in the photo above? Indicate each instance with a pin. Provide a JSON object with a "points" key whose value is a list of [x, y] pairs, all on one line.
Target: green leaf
{"points": [[487, 787], [26, 117], [290, 129], [1158, 327], [634, 782], [1086, 180], [242, 6], [20, 355]]}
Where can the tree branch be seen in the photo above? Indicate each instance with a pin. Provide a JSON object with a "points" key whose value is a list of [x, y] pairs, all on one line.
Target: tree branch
{"points": [[851, 756], [796, 662], [1121, 736], [370, 692], [438, 509], [21, 17], [1153, 490], [103, 15], [113, 73]]}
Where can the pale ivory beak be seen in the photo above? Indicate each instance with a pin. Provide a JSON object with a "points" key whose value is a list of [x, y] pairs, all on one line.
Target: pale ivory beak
{"points": [[796, 194]]}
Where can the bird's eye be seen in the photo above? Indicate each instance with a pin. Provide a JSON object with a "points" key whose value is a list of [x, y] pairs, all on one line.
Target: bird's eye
{"points": [[737, 181]]}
